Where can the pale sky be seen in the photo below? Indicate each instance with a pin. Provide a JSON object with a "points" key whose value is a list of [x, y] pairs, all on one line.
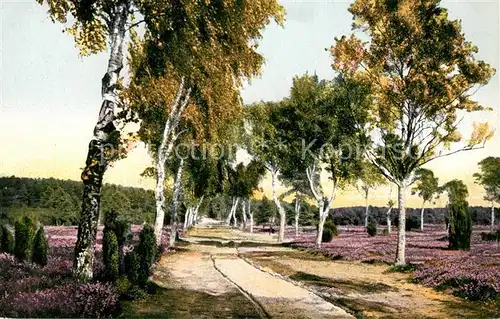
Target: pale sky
{"points": [[50, 97]]}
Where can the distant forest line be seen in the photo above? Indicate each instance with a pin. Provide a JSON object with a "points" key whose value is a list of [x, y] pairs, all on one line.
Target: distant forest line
{"points": [[57, 202]]}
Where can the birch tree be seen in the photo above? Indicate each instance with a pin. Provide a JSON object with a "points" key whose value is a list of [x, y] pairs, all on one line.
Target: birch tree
{"points": [[422, 72], [489, 178], [180, 29], [318, 127], [265, 147], [427, 187], [369, 179]]}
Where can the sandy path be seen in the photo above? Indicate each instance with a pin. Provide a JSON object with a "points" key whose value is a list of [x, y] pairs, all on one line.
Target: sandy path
{"points": [[206, 265], [280, 299]]}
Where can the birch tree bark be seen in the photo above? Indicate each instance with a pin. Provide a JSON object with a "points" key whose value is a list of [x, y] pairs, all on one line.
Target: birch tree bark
{"points": [[297, 215], [400, 253], [422, 217], [228, 218], [167, 144], [235, 220], [175, 203], [367, 208], [97, 163], [388, 219], [281, 211], [492, 216], [323, 202], [250, 214], [244, 213]]}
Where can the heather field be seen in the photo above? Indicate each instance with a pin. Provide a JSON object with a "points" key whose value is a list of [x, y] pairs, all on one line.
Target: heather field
{"points": [[473, 274], [27, 290]]}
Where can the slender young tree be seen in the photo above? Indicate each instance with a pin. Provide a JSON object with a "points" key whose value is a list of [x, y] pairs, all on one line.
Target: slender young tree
{"points": [[265, 147], [369, 179], [180, 29], [422, 72], [427, 187], [489, 178]]}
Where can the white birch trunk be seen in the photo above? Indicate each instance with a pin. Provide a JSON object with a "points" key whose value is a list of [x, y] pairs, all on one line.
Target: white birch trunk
{"points": [[422, 217], [250, 214], [186, 218], [175, 203], [97, 162], [235, 220], [281, 211], [367, 209], [167, 144], [297, 215], [400, 253], [244, 213], [388, 216], [492, 216], [321, 223], [228, 218]]}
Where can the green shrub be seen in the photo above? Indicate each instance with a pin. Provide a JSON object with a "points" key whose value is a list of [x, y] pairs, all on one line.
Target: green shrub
{"points": [[146, 251], [329, 231], [7, 241], [132, 267], [371, 229], [412, 222], [40, 248], [491, 236], [25, 231], [110, 254], [460, 229]]}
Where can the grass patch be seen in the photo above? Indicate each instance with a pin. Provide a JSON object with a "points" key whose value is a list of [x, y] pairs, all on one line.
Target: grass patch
{"points": [[409, 268], [182, 303], [344, 285]]}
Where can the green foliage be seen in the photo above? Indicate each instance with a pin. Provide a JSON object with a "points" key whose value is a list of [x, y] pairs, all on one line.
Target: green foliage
{"points": [[427, 184], [329, 231], [412, 222], [25, 230], [40, 248], [491, 236], [110, 255], [408, 268], [489, 178], [120, 227], [265, 211], [460, 226], [132, 267], [371, 229], [146, 251], [7, 240], [57, 202]]}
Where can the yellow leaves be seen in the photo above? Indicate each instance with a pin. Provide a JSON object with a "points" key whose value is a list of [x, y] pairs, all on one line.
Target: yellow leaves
{"points": [[481, 134], [347, 53], [90, 37]]}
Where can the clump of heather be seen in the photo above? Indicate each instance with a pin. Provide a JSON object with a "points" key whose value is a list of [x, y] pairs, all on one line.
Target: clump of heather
{"points": [[28, 290], [95, 300], [473, 274]]}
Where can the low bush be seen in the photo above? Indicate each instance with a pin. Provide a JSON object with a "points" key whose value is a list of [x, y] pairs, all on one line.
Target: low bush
{"points": [[40, 248], [329, 231], [110, 255], [7, 241], [25, 230], [146, 250], [491, 236], [371, 229], [132, 267], [412, 222]]}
